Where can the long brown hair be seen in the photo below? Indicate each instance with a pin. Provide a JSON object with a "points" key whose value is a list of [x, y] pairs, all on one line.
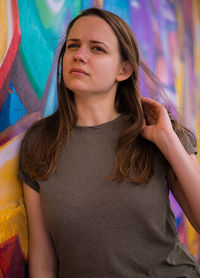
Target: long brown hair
{"points": [[134, 154]]}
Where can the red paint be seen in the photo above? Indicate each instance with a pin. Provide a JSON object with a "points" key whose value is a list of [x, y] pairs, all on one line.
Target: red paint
{"points": [[14, 45], [10, 91]]}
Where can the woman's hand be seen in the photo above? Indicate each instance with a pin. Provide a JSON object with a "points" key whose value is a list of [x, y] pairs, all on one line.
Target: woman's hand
{"points": [[157, 122]]}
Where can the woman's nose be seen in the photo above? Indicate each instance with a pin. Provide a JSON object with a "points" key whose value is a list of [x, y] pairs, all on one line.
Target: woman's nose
{"points": [[80, 55]]}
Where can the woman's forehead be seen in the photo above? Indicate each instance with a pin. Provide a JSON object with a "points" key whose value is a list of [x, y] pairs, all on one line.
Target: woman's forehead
{"points": [[92, 28]]}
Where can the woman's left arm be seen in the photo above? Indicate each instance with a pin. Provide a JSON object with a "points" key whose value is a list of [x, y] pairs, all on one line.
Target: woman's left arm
{"points": [[185, 166]]}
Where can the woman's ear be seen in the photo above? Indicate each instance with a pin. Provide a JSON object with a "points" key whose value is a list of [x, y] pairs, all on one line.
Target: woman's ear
{"points": [[125, 71]]}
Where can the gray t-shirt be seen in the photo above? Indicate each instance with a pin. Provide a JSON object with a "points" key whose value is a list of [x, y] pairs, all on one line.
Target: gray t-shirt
{"points": [[102, 228]]}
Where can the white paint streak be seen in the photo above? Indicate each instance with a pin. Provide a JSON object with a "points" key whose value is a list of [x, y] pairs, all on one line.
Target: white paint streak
{"points": [[54, 5], [11, 149], [135, 4]]}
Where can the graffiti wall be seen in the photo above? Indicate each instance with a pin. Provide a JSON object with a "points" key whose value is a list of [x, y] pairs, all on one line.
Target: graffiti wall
{"points": [[31, 33]]}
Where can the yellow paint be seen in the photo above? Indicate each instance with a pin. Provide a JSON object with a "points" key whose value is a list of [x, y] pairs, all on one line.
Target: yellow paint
{"points": [[10, 186], [192, 238], [179, 85], [3, 24], [180, 66], [13, 222], [12, 211], [196, 20]]}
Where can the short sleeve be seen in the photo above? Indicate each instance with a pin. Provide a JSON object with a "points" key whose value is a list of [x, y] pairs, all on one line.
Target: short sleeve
{"points": [[189, 144], [24, 177]]}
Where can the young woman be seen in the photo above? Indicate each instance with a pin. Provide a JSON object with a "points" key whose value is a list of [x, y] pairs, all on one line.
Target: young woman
{"points": [[97, 172]]}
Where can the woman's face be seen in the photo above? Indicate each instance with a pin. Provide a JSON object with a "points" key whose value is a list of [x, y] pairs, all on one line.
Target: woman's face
{"points": [[92, 63]]}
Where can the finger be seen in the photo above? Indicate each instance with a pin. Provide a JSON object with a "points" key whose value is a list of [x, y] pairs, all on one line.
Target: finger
{"points": [[151, 112], [154, 112], [150, 101], [147, 102], [150, 119]]}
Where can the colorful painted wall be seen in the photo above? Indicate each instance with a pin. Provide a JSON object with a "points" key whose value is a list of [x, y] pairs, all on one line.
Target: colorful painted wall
{"points": [[168, 33]]}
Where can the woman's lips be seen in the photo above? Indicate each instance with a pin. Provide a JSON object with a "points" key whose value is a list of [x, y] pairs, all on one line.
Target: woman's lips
{"points": [[78, 71]]}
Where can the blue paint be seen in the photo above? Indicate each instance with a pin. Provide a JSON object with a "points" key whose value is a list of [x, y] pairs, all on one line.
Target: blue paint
{"points": [[85, 4], [12, 109], [179, 220], [52, 101], [38, 43], [120, 8]]}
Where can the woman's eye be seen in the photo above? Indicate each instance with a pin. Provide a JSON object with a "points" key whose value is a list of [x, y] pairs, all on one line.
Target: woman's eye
{"points": [[73, 45], [98, 48]]}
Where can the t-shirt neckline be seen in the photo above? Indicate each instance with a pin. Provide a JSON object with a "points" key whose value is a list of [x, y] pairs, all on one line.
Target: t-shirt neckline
{"points": [[100, 126]]}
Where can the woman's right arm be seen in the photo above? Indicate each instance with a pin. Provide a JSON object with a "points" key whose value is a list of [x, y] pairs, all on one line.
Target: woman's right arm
{"points": [[42, 259]]}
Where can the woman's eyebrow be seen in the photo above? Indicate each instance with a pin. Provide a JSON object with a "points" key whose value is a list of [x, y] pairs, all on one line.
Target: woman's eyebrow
{"points": [[91, 41], [74, 40], [99, 42]]}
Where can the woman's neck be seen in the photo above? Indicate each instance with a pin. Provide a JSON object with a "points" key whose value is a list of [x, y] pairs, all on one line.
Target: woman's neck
{"points": [[91, 113]]}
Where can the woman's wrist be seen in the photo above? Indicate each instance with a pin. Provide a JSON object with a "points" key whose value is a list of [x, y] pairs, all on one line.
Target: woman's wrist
{"points": [[166, 141]]}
